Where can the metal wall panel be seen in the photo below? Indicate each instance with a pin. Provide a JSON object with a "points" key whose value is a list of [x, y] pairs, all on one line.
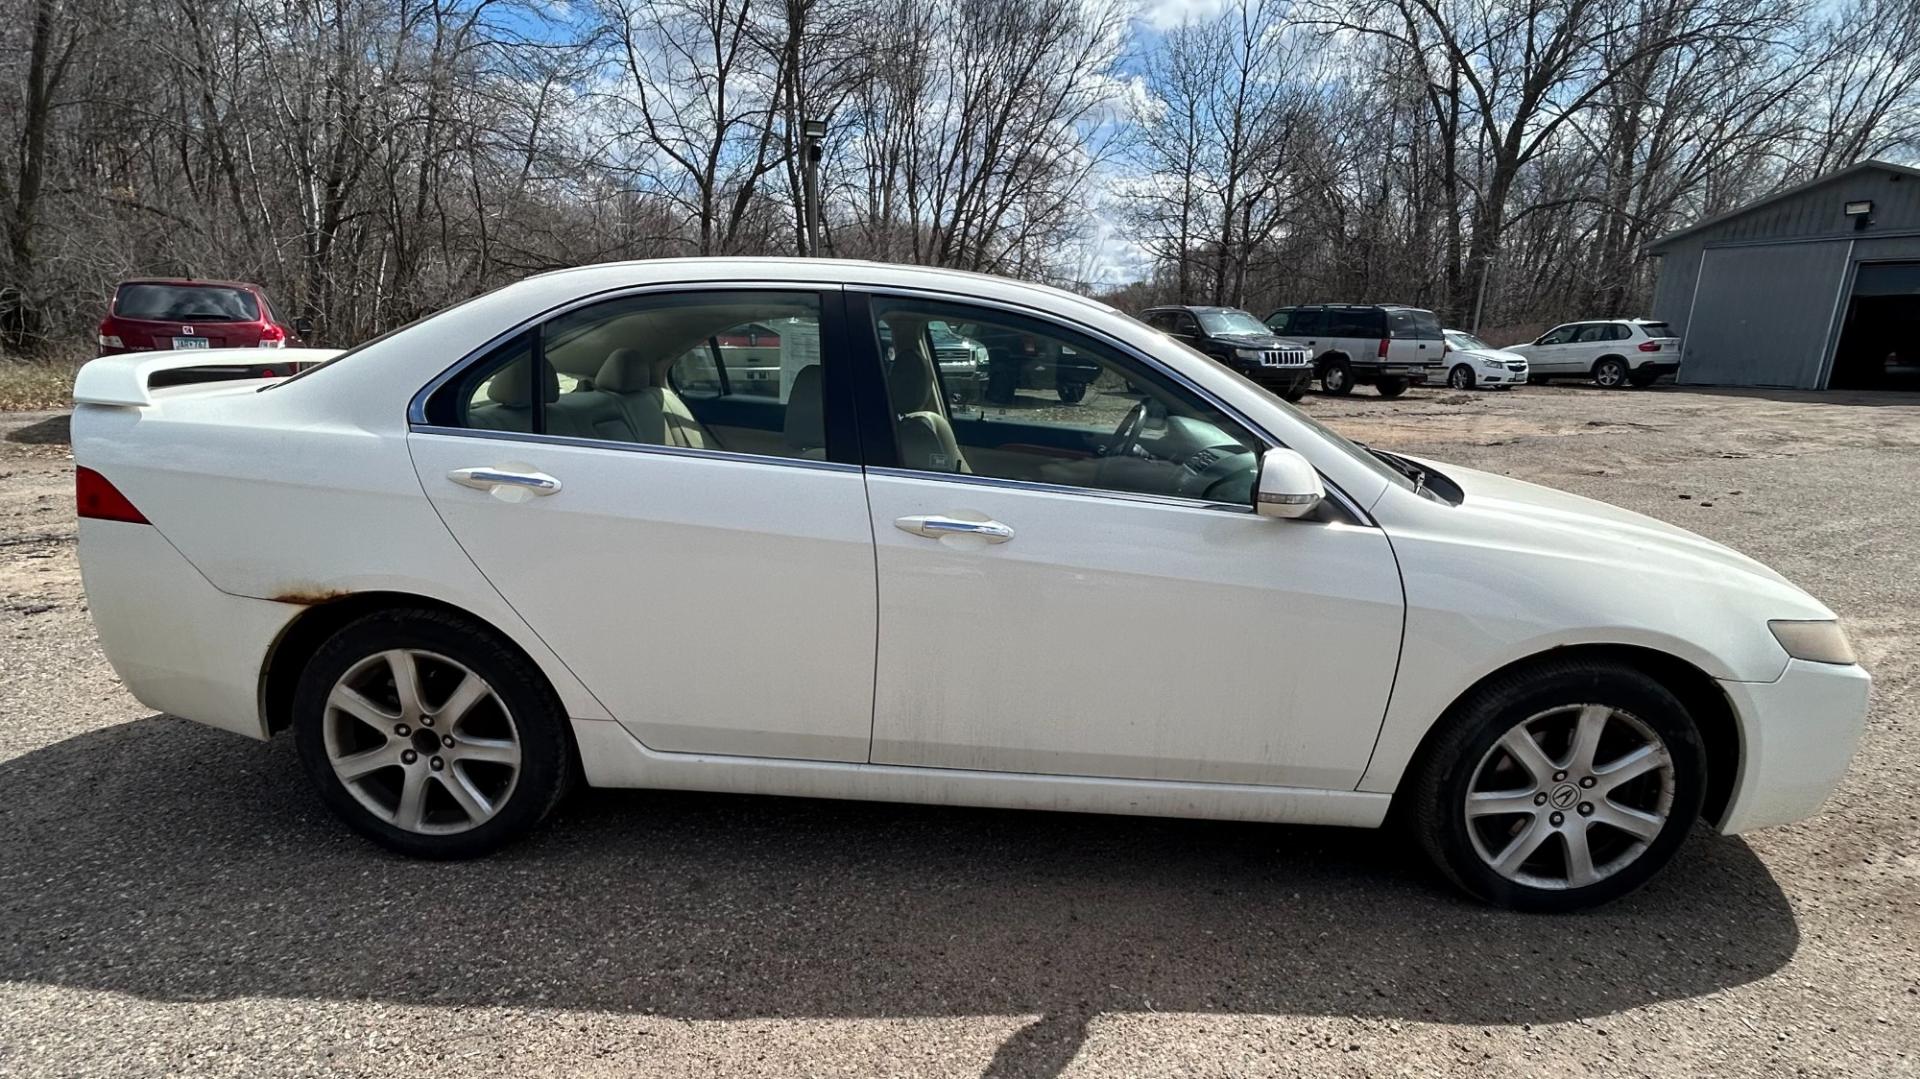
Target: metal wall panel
{"points": [[1761, 316]]}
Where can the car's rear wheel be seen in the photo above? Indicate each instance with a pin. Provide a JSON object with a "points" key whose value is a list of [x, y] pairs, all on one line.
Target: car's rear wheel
{"points": [[1390, 387], [1071, 392], [1643, 377], [1560, 788], [1461, 377], [1610, 373], [1296, 393], [430, 735], [1336, 378]]}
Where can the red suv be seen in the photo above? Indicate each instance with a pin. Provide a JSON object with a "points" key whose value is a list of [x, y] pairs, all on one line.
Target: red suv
{"points": [[150, 314]]}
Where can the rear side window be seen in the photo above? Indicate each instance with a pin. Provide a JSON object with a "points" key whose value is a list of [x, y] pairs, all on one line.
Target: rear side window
{"points": [[1410, 322], [185, 303]]}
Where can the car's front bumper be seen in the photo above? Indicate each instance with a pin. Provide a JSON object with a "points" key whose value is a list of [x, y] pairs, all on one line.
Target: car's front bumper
{"points": [[1797, 735], [1286, 379], [1501, 376]]}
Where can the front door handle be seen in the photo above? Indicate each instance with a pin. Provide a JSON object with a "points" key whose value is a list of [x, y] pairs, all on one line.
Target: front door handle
{"points": [[933, 526], [487, 479]]}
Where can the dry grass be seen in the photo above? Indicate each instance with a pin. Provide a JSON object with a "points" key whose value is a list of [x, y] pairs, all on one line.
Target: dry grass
{"points": [[28, 385]]}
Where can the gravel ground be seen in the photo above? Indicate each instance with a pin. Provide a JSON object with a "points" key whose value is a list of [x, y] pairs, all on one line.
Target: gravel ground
{"points": [[174, 901]]}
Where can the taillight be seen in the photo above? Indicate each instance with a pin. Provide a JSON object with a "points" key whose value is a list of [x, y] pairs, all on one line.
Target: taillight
{"points": [[100, 500], [273, 337], [1383, 348], [1649, 346], [108, 340]]}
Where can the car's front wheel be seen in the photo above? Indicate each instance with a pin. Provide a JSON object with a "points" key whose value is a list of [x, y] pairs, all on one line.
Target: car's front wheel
{"points": [[1559, 788], [429, 735], [1336, 378], [1071, 393], [1461, 377]]}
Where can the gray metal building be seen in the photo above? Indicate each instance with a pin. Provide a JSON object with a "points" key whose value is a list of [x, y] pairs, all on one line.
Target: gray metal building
{"points": [[1817, 286]]}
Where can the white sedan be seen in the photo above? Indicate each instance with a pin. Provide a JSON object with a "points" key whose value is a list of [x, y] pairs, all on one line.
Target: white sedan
{"points": [[1472, 362], [553, 534]]}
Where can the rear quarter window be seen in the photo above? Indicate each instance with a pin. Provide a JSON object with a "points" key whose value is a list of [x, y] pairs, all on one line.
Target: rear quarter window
{"points": [[1656, 329], [1408, 322]]}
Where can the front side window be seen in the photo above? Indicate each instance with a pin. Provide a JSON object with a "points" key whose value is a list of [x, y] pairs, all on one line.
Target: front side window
{"points": [[1059, 408], [1559, 335], [733, 372]]}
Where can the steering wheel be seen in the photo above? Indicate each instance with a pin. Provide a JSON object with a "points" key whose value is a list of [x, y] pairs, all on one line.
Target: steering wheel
{"points": [[1127, 435]]}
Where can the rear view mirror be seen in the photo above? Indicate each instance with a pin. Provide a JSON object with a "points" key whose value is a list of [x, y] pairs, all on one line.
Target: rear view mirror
{"points": [[1288, 486]]}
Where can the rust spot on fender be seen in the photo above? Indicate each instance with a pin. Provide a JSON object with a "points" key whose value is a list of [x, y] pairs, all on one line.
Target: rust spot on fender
{"points": [[307, 597]]}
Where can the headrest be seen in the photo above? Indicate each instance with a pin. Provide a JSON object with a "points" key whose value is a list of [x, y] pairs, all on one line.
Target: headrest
{"points": [[509, 387], [806, 427], [910, 382], [627, 370]]}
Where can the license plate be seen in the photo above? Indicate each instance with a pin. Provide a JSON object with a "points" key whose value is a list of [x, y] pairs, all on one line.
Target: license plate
{"points": [[189, 342]]}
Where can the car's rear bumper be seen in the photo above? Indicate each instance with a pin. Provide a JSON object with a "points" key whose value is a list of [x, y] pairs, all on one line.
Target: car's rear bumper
{"points": [[1797, 735], [180, 645], [1658, 367]]}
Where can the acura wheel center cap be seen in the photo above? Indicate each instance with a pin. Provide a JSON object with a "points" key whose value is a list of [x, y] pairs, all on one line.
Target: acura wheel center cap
{"points": [[1564, 796]]}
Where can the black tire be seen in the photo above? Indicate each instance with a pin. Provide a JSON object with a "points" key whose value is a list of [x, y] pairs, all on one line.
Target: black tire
{"points": [[1294, 395], [1643, 377], [1071, 393], [1460, 377], [1435, 794], [527, 704], [1336, 378], [1610, 373], [1536, 380], [1390, 387]]}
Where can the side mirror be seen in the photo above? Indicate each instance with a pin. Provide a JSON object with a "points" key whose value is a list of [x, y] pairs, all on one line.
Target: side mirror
{"points": [[303, 326], [1288, 485]]}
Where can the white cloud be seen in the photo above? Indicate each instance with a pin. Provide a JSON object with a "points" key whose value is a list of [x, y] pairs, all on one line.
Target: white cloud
{"points": [[1167, 14]]}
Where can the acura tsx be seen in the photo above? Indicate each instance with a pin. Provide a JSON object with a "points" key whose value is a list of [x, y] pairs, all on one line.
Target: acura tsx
{"points": [[718, 525]]}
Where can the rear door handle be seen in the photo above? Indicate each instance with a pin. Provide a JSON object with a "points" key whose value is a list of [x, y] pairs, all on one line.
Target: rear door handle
{"points": [[486, 479], [934, 526]]}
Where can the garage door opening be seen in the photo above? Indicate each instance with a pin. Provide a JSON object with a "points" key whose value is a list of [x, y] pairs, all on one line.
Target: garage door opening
{"points": [[1880, 339]]}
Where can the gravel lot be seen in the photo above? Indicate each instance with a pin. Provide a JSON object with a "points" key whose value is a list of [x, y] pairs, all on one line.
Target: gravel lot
{"points": [[174, 901]]}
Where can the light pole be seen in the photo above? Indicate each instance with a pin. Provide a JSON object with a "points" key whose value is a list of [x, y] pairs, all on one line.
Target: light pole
{"points": [[812, 134]]}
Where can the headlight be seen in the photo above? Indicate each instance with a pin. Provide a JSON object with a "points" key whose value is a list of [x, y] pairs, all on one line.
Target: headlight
{"points": [[1816, 642], [1493, 364], [1251, 355]]}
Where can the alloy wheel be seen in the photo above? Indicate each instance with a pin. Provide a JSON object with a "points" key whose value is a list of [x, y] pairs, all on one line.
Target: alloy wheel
{"points": [[1609, 374], [1570, 796], [423, 742], [1460, 378]]}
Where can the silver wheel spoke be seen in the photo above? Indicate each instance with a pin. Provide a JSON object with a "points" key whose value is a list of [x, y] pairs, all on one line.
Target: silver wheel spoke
{"points": [[471, 691], [406, 683], [1630, 766], [1580, 871], [471, 801], [1641, 826], [349, 700], [359, 765], [1586, 736], [1527, 753], [488, 750], [1498, 803], [412, 812], [1522, 846]]}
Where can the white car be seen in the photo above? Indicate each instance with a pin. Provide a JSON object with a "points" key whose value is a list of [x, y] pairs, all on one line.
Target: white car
{"points": [[515, 544], [1472, 362], [1614, 353]]}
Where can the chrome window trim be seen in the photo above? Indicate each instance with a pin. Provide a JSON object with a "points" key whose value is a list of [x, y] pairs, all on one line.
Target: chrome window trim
{"points": [[1351, 507], [631, 447], [1037, 487], [417, 405]]}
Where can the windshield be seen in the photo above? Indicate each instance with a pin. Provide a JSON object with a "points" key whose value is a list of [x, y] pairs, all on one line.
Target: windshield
{"points": [[185, 303], [1465, 340], [1230, 321]]}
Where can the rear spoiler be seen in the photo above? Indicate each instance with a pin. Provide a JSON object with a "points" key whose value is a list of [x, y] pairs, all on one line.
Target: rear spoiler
{"points": [[127, 380]]}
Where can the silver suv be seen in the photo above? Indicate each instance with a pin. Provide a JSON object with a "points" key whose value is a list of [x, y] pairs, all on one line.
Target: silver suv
{"points": [[1613, 352], [1386, 346]]}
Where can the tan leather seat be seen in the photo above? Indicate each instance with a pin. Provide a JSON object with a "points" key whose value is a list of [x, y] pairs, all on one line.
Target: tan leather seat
{"points": [[652, 411], [925, 437], [509, 404]]}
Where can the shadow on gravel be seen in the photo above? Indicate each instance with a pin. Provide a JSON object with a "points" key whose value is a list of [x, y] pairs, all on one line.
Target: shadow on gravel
{"points": [[162, 859], [52, 431]]}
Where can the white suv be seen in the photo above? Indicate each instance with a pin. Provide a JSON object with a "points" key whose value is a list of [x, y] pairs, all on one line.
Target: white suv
{"points": [[1613, 352]]}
